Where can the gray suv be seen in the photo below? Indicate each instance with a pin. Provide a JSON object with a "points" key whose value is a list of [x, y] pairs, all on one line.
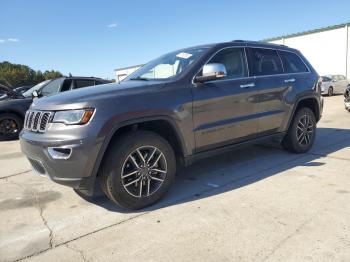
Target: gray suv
{"points": [[183, 106]]}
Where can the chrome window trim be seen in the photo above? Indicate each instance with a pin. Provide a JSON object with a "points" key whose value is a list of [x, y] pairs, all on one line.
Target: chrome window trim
{"points": [[247, 63]]}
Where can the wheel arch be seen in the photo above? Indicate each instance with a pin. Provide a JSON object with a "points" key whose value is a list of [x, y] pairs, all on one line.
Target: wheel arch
{"points": [[11, 111], [310, 102], [162, 125]]}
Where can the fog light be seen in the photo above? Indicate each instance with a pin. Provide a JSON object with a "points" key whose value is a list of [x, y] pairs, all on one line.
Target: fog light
{"points": [[59, 152]]}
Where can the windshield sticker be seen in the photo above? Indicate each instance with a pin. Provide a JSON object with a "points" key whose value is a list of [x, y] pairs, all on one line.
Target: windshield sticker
{"points": [[184, 55]]}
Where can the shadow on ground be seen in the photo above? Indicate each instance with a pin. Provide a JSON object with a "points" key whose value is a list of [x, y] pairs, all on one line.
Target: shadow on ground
{"points": [[240, 168]]}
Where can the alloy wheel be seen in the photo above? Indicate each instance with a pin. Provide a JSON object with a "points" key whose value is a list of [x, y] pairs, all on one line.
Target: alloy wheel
{"points": [[144, 171], [305, 130]]}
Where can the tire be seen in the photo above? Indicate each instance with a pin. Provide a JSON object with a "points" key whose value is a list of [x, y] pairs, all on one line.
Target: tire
{"points": [[330, 91], [301, 133], [124, 159], [10, 126]]}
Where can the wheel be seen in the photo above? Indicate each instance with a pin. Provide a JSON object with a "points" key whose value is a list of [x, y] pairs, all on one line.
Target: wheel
{"points": [[330, 91], [10, 126], [138, 170], [301, 133]]}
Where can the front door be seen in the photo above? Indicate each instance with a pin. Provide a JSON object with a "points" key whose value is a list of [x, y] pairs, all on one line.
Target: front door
{"points": [[224, 111]]}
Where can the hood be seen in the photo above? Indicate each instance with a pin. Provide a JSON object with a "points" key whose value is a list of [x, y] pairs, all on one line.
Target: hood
{"points": [[86, 96], [7, 103]]}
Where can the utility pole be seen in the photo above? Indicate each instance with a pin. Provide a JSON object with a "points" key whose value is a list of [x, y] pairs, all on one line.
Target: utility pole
{"points": [[347, 50]]}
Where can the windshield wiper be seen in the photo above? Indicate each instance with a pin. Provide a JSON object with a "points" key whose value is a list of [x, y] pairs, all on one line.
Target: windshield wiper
{"points": [[140, 78]]}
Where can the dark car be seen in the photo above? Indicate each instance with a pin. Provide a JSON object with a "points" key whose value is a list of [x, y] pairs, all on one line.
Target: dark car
{"points": [[183, 106], [13, 105]]}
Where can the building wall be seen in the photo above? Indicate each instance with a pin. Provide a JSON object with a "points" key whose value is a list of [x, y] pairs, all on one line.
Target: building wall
{"points": [[326, 51], [120, 74]]}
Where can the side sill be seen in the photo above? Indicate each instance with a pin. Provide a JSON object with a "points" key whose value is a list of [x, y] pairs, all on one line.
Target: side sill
{"points": [[231, 147]]}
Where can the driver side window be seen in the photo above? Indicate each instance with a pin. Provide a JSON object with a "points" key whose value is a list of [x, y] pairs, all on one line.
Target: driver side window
{"points": [[234, 60]]}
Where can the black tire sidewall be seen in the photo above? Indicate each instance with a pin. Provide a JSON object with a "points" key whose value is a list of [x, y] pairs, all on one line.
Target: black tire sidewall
{"points": [[19, 123], [292, 139], [114, 164], [330, 91]]}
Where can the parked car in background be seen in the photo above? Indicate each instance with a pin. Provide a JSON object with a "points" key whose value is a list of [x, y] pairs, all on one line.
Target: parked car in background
{"points": [[22, 89], [13, 105], [183, 106], [334, 84]]}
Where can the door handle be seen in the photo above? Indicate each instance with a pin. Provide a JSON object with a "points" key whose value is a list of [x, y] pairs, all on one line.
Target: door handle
{"points": [[247, 85], [291, 80]]}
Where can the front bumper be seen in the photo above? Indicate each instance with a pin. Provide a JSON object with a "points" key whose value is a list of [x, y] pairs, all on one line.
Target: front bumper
{"points": [[75, 171]]}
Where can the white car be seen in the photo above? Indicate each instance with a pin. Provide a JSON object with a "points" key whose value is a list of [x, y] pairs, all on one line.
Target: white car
{"points": [[334, 84]]}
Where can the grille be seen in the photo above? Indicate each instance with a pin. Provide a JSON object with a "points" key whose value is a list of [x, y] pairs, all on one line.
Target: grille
{"points": [[37, 121]]}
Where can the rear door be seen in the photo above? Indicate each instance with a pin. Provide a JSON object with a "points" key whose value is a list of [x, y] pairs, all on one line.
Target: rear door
{"points": [[273, 84], [224, 111]]}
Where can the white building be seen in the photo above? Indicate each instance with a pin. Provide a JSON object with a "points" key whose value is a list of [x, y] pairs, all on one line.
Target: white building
{"points": [[327, 49]]}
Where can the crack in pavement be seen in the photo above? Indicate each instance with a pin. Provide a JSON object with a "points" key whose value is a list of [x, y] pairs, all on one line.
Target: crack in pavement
{"points": [[17, 174], [296, 231], [36, 194], [80, 252]]}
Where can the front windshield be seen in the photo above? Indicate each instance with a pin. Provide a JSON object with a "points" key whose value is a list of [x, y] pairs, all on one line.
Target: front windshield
{"points": [[168, 66], [29, 92]]}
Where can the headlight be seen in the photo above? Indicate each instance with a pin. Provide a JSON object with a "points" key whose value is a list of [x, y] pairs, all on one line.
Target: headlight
{"points": [[73, 117]]}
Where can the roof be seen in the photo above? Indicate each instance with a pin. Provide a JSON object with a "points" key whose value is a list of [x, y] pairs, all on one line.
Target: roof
{"points": [[220, 45], [318, 30]]}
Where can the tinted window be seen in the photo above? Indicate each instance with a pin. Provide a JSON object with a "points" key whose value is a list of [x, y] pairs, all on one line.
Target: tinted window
{"points": [[99, 83], [234, 60], [67, 85], [52, 87], [83, 83], [265, 62], [326, 79], [292, 63]]}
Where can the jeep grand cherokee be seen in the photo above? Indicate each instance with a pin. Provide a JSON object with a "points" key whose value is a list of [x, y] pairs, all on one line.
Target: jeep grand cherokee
{"points": [[185, 105]]}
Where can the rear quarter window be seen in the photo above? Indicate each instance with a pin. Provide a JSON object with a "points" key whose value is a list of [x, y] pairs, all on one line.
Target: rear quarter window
{"points": [[292, 63]]}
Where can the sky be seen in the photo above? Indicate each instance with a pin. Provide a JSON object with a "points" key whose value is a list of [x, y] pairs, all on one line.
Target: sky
{"points": [[92, 38]]}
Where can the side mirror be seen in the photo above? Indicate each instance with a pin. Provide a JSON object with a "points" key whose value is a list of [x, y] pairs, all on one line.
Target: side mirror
{"points": [[211, 71], [35, 94]]}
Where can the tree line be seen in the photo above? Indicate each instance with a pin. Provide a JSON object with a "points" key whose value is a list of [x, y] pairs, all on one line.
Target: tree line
{"points": [[15, 75]]}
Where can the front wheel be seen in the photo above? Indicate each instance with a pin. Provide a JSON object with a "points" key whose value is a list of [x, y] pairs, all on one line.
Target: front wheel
{"points": [[301, 133], [138, 170]]}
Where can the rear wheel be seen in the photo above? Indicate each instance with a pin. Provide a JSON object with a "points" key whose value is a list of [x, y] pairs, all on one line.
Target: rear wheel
{"points": [[10, 126], [138, 170], [330, 91], [301, 133]]}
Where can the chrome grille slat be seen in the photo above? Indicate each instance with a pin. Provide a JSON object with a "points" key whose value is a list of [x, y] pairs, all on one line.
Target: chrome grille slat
{"points": [[37, 121]]}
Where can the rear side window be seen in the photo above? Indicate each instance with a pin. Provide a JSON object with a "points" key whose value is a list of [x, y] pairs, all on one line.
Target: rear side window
{"points": [[292, 63], [234, 61], [83, 83], [265, 62]]}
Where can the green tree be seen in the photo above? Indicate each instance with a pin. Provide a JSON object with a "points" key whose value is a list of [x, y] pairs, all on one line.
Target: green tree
{"points": [[14, 75]]}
